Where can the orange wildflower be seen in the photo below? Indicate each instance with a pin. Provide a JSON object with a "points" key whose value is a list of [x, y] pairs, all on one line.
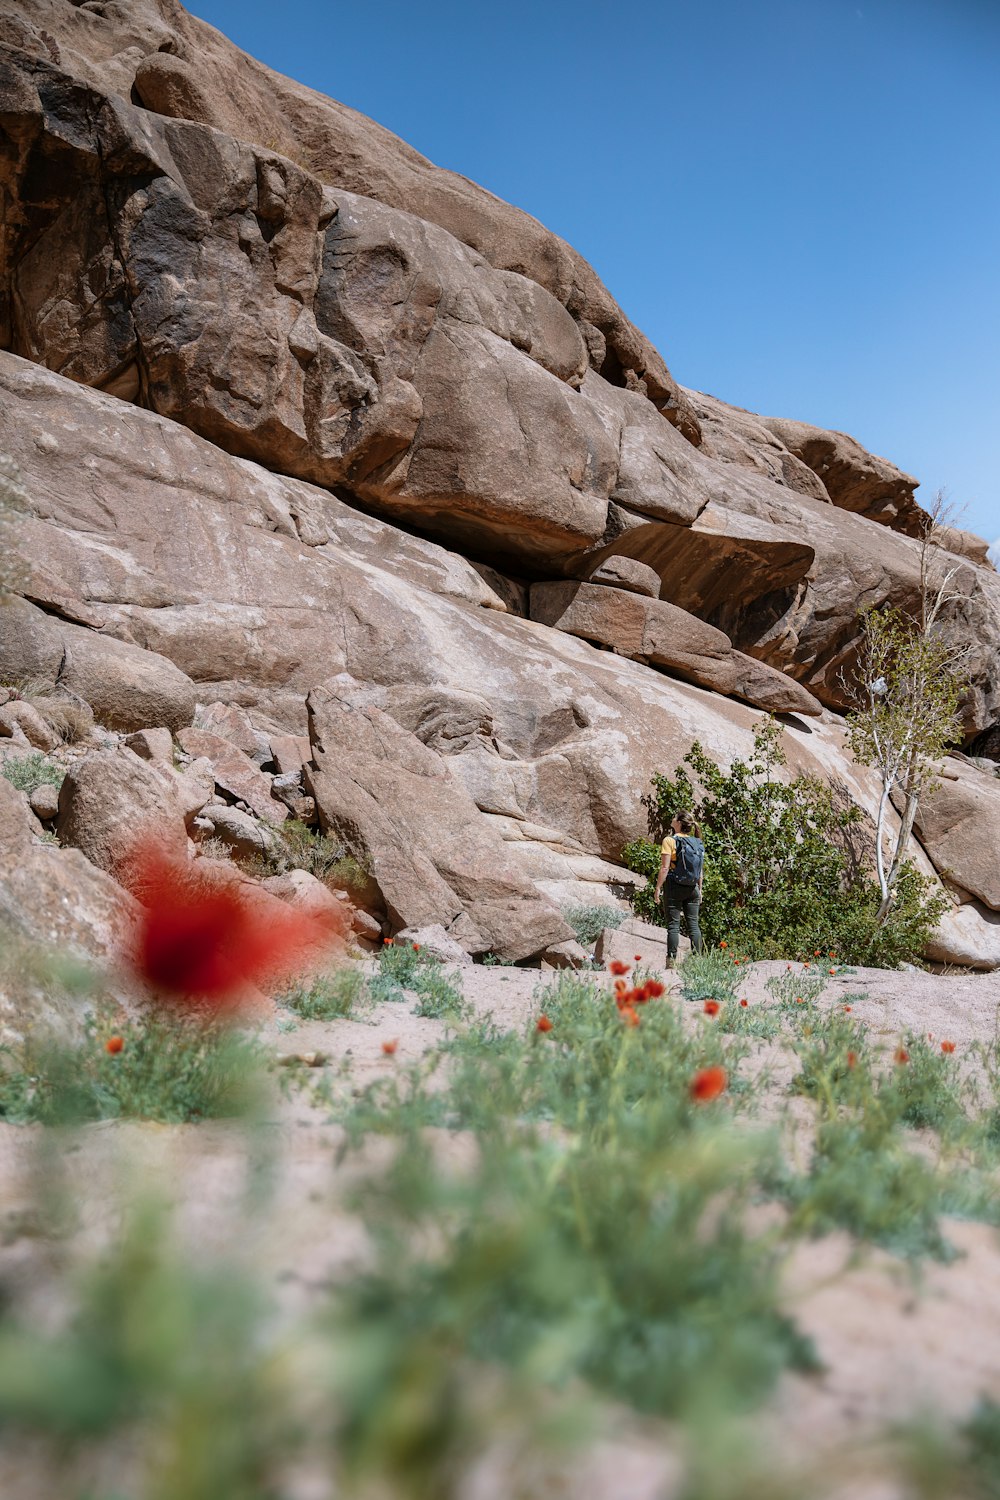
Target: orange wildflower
{"points": [[416, 947], [848, 1007], [389, 1047], [816, 954], [744, 1003], [711, 1007], [723, 945], [708, 1084], [618, 966], [948, 1047], [544, 1024], [852, 1058], [630, 1016], [637, 957], [387, 942], [902, 1056], [116, 1043], [652, 989], [833, 971]]}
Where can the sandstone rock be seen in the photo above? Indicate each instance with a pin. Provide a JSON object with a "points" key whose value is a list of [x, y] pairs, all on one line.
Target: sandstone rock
{"points": [[853, 478], [232, 723], [736, 436], [392, 801], [628, 573], [959, 827], [968, 935], [235, 773], [665, 636], [21, 715], [152, 744], [567, 955], [127, 687], [290, 752], [435, 940], [111, 800], [635, 937], [195, 787], [300, 888], [244, 834], [44, 801], [54, 899]]}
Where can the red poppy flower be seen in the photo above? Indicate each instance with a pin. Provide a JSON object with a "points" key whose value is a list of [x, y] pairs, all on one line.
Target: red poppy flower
{"points": [[833, 971], [948, 1047], [806, 964], [902, 1056], [213, 938], [711, 1007], [630, 1016], [852, 1058], [735, 960], [831, 955], [653, 989], [618, 966], [637, 957], [723, 945], [116, 1043], [744, 1003], [387, 942], [816, 954], [544, 1024], [799, 1000], [708, 1084], [416, 947], [848, 1007], [389, 1047]]}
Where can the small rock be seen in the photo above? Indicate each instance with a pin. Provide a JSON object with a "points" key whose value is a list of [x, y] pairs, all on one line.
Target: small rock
{"points": [[290, 752], [568, 955], [628, 573], [232, 723], [152, 744], [432, 939], [21, 715], [243, 833], [235, 773], [45, 801]]}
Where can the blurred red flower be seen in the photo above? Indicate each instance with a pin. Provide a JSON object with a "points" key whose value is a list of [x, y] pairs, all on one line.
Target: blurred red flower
{"points": [[214, 938], [637, 957], [544, 1024], [948, 1047], [708, 1084], [630, 1016], [618, 966], [723, 945], [389, 1047], [848, 1007], [744, 1003], [652, 989], [902, 1056], [116, 1043], [852, 1058], [711, 1007]]}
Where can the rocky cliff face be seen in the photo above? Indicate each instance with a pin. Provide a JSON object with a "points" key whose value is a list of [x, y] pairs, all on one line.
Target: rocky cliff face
{"points": [[306, 420]]}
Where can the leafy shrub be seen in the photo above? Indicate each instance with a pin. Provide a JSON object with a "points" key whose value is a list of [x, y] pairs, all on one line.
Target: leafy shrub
{"points": [[779, 879], [407, 968], [328, 997], [28, 772], [588, 922], [168, 1067], [710, 975]]}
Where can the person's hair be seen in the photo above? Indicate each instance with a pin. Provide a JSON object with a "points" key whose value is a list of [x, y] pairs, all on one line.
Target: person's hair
{"points": [[688, 824]]}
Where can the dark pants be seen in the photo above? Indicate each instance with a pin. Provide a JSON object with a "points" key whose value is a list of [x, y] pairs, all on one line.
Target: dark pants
{"points": [[678, 899]]}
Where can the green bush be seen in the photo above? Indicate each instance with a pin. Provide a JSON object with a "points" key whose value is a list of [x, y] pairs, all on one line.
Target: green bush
{"points": [[328, 997], [406, 968], [588, 922], [779, 878], [169, 1067], [28, 772]]}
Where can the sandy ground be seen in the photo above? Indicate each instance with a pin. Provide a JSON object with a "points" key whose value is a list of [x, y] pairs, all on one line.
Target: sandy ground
{"points": [[893, 1346]]}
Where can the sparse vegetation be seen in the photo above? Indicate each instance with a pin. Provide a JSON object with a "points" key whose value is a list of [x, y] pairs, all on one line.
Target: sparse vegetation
{"points": [[588, 922], [28, 772], [780, 876], [328, 997]]}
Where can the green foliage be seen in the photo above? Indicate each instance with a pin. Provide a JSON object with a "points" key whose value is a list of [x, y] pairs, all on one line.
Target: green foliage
{"points": [[599, 1233], [588, 922], [710, 975], [403, 968], [778, 879], [170, 1068], [328, 997], [28, 772]]}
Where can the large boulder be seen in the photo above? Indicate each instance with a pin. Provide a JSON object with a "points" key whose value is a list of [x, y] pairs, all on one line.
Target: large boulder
{"points": [[958, 824], [111, 801], [654, 631], [391, 800]]}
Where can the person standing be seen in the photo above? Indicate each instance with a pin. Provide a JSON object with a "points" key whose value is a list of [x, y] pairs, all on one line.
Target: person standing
{"points": [[682, 864]]}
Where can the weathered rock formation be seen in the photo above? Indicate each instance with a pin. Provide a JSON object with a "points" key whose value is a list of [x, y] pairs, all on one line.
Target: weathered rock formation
{"points": [[300, 415]]}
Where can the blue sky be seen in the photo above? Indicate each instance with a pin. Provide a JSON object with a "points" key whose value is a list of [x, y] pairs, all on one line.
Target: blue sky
{"points": [[797, 200]]}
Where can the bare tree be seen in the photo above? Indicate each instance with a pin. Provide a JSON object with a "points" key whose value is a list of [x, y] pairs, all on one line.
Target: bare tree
{"points": [[907, 687]]}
